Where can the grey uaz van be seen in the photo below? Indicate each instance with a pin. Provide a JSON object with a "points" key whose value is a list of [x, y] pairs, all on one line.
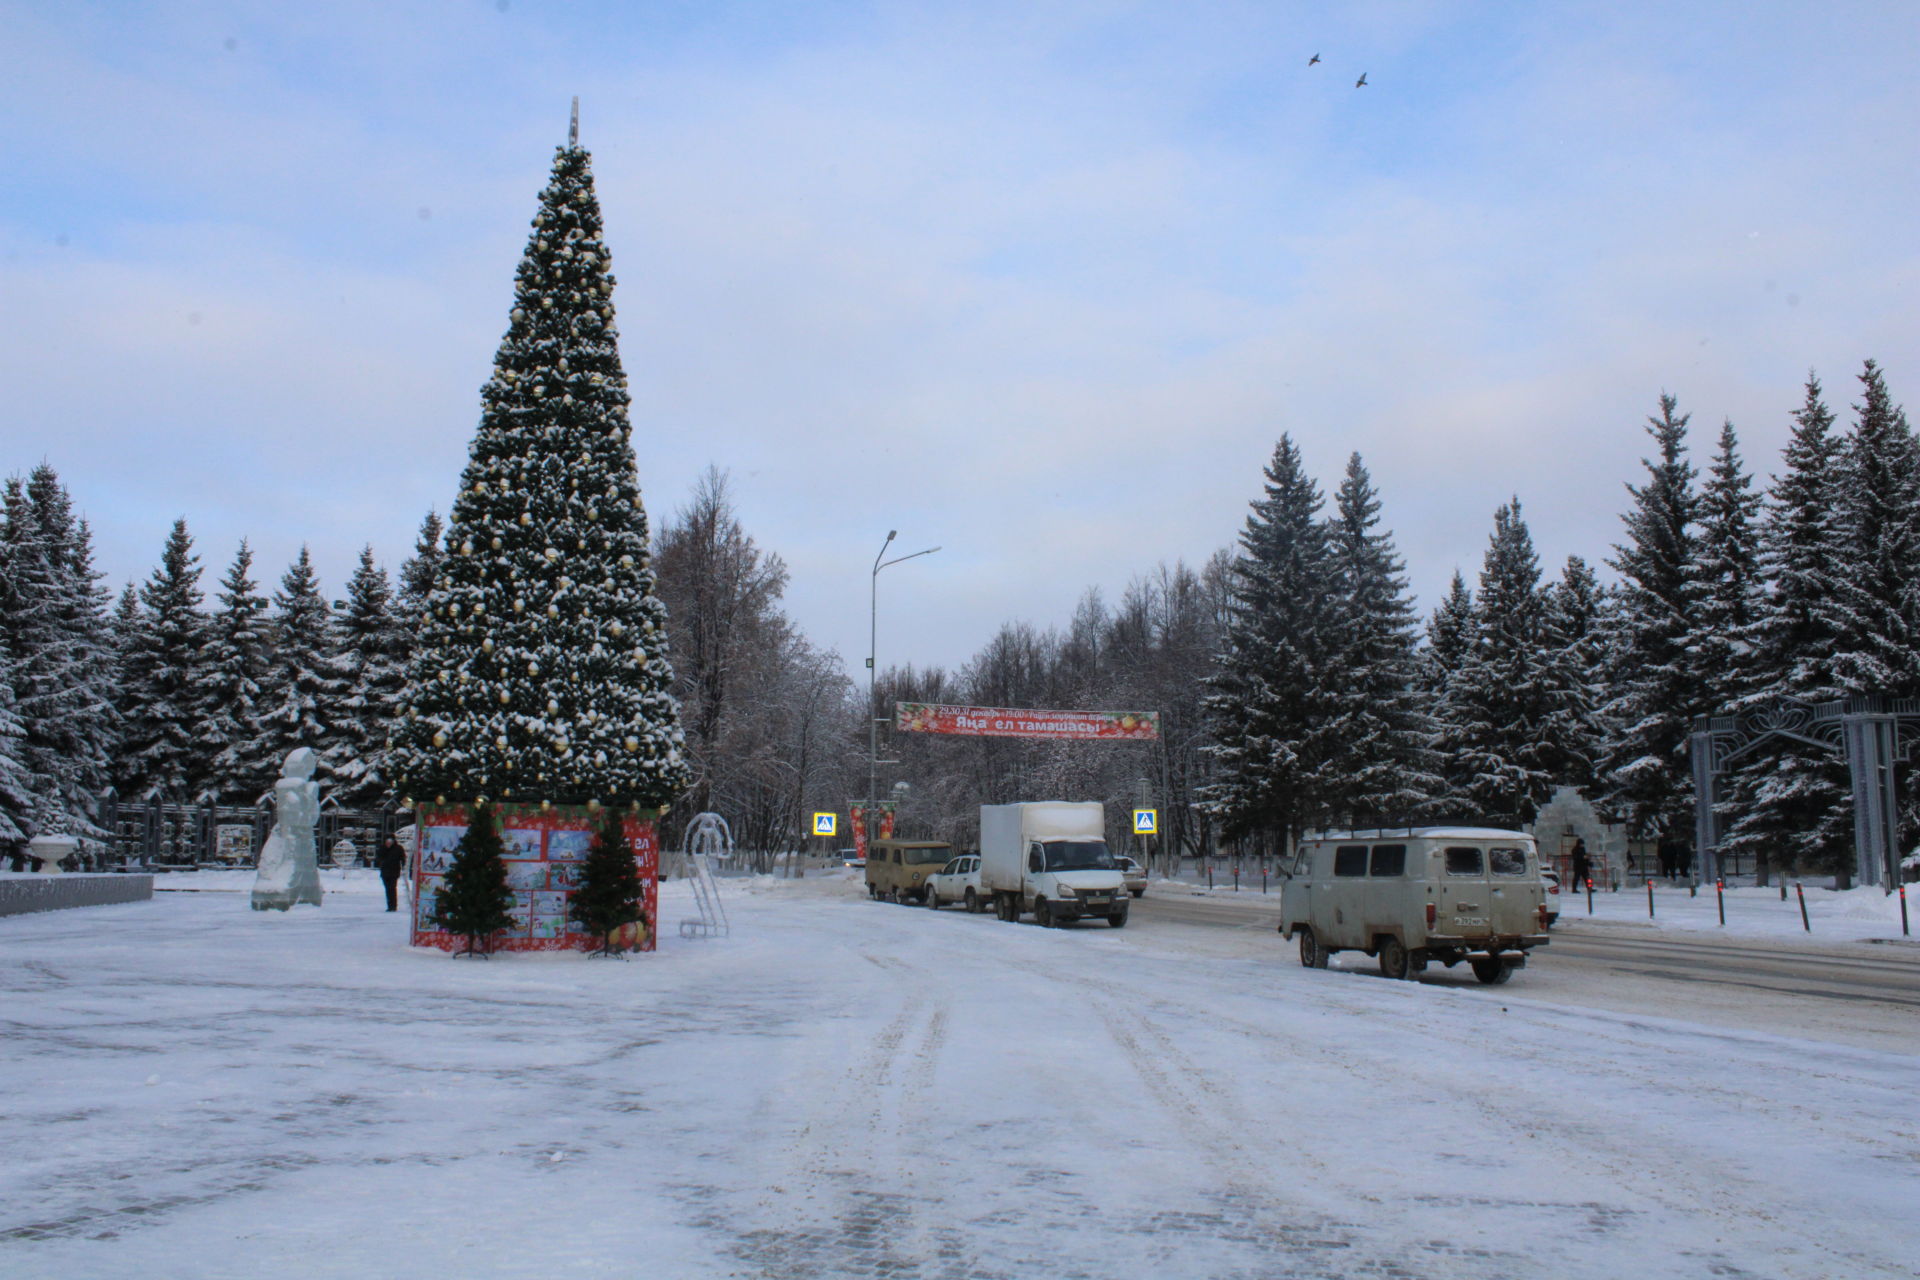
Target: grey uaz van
{"points": [[1417, 894]]}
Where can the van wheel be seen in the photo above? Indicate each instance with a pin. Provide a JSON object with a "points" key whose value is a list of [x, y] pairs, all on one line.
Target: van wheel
{"points": [[1491, 971], [1042, 913], [973, 903], [873, 891], [1393, 959], [1312, 954]]}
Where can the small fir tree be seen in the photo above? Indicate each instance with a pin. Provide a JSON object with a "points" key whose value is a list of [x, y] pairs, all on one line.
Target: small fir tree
{"points": [[474, 899], [610, 895], [540, 669]]}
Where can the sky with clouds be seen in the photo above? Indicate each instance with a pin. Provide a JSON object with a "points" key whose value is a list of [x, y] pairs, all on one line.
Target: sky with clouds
{"points": [[1039, 283]]}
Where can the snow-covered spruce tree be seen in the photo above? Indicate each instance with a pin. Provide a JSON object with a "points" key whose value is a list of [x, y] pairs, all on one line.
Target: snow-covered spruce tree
{"points": [[610, 895], [417, 574], [1875, 652], [1504, 713], [161, 673], [1449, 637], [1796, 812], [1724, 580], [1646, 774], [1726, 590], [1382, 768], [368, 657], [540, 671], [1577, 609], [63, 651], [301, 705], [475, 900], [16, 785], [232, 683], [1269, 706]]}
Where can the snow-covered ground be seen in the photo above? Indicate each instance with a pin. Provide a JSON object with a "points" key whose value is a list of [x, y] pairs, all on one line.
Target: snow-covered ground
{"points": [[850, 1088]]}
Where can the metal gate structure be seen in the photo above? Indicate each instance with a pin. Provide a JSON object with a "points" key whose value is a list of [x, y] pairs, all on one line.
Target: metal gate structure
{"points": [[1866, 730]]}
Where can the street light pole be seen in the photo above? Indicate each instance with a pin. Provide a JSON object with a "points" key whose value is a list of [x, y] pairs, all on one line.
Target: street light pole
{"points": [[873, 634]]}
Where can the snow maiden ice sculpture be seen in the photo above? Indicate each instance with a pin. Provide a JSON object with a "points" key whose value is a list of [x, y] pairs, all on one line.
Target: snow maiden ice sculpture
{"points": [[289, 865]]}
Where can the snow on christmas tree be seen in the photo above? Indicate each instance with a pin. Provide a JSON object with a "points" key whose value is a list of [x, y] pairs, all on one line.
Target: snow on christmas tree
{"points": [[539, 672]]}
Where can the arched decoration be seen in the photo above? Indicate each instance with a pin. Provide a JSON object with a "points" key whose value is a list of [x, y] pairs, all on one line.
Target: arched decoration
{"points": [[1867, 731]]}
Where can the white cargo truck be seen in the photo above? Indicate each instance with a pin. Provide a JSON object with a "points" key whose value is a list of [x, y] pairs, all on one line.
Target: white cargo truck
{"points": [[1050, 858]]}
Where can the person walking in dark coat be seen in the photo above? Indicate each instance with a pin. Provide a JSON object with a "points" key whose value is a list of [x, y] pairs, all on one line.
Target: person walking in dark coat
{"points": [[1582, 865], [391, 860]]}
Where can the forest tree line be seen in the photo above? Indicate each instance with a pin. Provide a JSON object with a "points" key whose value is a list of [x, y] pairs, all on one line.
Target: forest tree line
{"points": [[1297, 684]]}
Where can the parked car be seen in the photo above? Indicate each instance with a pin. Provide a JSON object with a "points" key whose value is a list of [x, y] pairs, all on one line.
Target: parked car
{"points": [[1134, 875], [852, 858], [958, 881], [1551, 879], [897, 869]]}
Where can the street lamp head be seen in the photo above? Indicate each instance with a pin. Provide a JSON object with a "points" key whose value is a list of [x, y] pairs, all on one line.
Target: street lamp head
{"points": [[892, 534]]}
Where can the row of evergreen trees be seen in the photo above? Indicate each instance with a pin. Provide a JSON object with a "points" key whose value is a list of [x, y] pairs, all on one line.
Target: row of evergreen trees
{"points": [[1327, 708], [166, 699], [1330, 703]]}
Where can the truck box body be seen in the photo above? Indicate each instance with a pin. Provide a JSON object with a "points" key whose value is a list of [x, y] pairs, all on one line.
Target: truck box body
{"points": [[1016, 880]]}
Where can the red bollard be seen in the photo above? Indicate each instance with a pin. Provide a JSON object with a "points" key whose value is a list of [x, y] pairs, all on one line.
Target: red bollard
{"points": [[1649, 897], [1589, 895], [1720, 900], [1903, 912], [1804, 922]]}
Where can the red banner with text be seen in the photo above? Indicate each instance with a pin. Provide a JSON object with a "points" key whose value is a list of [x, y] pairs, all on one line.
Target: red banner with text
{"points": [[1024, 722]]}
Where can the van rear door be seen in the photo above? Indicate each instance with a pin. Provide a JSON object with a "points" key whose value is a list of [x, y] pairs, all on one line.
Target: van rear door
{"points": [[1514, 890], [1464, 901]]}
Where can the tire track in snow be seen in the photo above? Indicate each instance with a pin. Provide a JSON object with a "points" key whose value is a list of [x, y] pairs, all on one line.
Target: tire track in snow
{"points": [[850, 1157]]}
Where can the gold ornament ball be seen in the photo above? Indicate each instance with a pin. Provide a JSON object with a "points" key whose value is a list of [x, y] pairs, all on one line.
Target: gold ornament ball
{"points": [[439, 739]]}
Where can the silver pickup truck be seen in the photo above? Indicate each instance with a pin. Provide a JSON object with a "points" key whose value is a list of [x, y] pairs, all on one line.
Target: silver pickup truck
{"points": [[1418, 894]]}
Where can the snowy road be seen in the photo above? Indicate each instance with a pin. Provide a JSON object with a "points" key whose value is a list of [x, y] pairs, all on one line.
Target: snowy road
{"points": [[851, 1088], [1854, 992]]}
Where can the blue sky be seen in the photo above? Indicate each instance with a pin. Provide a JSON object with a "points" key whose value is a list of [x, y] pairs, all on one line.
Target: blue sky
{"points": [[1040, 283]]}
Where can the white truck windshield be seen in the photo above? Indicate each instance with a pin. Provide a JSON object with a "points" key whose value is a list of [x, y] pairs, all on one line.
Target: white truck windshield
{"points": [[1078, 855]]}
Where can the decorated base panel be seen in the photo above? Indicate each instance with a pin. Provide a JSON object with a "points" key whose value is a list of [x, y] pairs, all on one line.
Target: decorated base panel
{"points": [[545, 849]]}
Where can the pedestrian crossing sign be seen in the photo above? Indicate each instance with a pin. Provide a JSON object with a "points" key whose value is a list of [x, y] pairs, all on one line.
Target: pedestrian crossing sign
{"points": [[824, 824], [1146, 822]]}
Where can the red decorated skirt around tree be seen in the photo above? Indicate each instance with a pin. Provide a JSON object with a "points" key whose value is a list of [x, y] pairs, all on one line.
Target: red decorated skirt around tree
{"points": [[545, 850]]}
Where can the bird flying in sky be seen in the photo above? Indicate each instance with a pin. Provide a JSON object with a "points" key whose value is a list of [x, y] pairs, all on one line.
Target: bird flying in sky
{"points": [[1361, 83], [1315, 58]]}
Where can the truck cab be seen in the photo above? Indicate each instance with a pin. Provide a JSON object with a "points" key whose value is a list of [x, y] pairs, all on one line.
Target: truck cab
{"points": [[1050, 858]]}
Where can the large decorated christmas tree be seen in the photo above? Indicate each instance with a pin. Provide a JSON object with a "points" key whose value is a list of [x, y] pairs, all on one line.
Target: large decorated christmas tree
{"points": [[539, 671]]}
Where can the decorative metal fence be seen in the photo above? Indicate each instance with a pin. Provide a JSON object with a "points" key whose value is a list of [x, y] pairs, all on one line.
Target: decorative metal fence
{"points": [[182, 837]]}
